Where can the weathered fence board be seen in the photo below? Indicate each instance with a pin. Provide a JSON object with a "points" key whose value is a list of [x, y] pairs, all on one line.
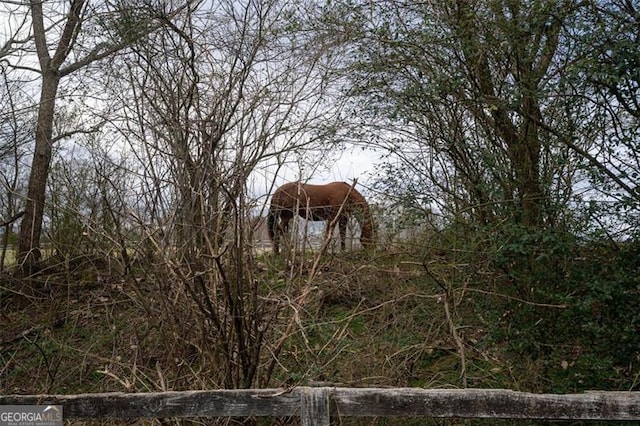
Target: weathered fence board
{"points": [[313, 405], [488, 403], [216, 403], [314, 409]]}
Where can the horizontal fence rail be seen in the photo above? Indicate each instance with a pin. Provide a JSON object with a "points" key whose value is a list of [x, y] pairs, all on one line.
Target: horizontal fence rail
{"points": [[315, 405]]}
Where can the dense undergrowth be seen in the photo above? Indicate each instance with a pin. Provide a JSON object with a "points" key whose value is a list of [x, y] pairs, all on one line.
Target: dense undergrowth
{"points": [[541, 313]]}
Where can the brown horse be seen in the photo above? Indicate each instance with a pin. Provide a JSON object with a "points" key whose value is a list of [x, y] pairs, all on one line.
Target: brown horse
{"points": [[334, 202]]}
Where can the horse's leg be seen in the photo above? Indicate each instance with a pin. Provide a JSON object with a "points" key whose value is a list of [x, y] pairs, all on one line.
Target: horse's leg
{"points": [[285, 231], [342, 225], [276, 237]]}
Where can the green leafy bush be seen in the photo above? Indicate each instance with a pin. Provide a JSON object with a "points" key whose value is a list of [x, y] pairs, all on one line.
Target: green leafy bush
{"points": [[572, 307]]}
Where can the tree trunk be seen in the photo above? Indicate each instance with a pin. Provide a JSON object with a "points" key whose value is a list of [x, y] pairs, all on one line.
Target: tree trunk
{"points": [[29, 239], [520, 136]]}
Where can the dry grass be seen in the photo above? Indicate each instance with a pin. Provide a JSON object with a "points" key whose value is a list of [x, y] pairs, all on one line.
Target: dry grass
{"points": [[354, 320], [365, 321]]}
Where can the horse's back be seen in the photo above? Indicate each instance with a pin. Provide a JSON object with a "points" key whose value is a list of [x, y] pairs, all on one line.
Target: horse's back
{"points": [[287, 195], [335, 193], [332, 190], [327, 195]]}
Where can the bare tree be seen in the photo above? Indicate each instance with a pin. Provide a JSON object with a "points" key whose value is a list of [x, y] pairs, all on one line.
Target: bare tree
{"points": [[212, 100], [71, 26], [15, 134]]}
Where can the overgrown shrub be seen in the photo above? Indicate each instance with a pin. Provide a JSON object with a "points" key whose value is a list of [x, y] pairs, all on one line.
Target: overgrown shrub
{"points": [[571, 307]]}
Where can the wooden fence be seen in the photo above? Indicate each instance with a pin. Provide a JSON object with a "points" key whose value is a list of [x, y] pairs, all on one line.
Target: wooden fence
{"points": [[316, 405]]}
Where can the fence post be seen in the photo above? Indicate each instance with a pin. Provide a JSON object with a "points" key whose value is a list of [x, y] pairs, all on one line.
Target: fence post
{"points": [[314, 406]]}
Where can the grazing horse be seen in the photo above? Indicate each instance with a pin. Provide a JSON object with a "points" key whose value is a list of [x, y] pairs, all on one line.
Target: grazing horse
{"points": [[333, 202]]}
